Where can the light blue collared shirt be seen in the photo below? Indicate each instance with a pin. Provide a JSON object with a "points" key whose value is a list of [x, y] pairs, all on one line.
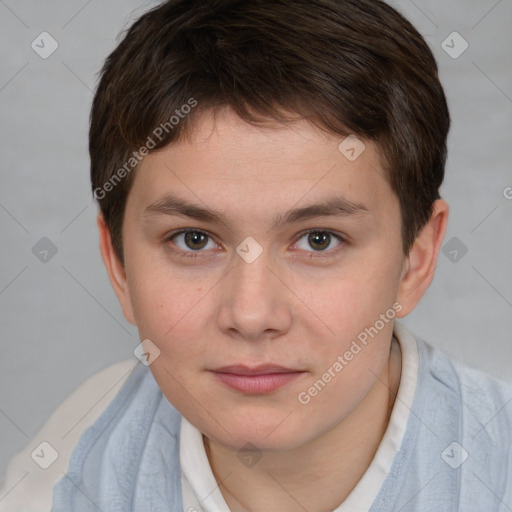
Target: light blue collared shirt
{"points": [[455, 454]]}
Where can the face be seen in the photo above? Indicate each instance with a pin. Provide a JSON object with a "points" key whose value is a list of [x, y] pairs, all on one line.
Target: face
{"points": [[262, 277]]}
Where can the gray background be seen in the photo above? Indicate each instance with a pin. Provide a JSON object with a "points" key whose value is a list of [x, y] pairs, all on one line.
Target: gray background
{"points": [[60, 321]]}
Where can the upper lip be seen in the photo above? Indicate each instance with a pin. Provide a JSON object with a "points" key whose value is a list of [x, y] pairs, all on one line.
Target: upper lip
{"points": [[263, 369]]}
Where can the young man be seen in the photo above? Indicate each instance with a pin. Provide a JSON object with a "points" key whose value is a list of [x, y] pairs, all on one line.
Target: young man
{"points": [[268, 178]]}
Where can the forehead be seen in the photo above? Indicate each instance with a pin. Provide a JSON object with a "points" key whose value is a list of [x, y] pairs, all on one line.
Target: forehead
{"points": [[225, 161]]}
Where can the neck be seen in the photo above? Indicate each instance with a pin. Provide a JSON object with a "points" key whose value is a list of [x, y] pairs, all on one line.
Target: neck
{"points": [[333, 462]]}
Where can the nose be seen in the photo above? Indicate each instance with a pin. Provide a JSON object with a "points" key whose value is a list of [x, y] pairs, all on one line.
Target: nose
{"points": [[255, 302]]}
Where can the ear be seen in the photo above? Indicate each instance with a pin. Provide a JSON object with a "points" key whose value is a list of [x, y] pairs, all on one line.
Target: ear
{"points": [[115, 270], [421, 262]]}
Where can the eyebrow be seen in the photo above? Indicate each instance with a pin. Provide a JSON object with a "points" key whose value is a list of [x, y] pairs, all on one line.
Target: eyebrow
{"points": [[336, 206]]}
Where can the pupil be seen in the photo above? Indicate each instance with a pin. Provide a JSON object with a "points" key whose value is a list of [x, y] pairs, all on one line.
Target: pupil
{"points": [[320, 238], [193, 237]]}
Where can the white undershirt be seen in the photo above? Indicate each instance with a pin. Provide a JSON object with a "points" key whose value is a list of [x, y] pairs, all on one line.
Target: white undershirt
{"points": [[201, 492]]}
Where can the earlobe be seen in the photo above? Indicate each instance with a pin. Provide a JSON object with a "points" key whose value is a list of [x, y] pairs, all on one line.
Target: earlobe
{"points": [[422, 259], [115, 270]]}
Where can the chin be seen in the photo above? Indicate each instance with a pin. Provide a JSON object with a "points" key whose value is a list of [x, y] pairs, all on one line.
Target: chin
{"points": [[271, 435], [257, 442]]}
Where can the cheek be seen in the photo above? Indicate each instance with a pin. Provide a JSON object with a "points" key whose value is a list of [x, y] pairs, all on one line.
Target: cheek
{"points": [[159, 291], [360, 310], [356, 299], [172, 320], [172, 315], [154, 304], [179, 317]]}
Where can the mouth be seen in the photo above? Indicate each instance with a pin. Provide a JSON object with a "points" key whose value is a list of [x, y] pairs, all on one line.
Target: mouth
{"points": [[256, 380]]}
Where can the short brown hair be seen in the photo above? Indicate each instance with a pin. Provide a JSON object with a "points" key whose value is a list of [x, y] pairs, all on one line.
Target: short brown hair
{"points": [[348, 66]]}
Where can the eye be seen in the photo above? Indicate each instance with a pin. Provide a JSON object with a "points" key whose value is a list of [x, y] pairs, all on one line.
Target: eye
{"points": [[319, 240], [191, 241]]}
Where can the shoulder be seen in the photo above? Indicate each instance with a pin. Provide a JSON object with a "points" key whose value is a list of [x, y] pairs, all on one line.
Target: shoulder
{"points": [[471, 412], [33, 472], [456, 452], [133, 445], [481, 396]]}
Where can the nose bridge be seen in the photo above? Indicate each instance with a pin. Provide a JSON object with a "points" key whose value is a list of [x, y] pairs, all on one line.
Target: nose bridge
{"points": [[252, 300], [251, 278]]}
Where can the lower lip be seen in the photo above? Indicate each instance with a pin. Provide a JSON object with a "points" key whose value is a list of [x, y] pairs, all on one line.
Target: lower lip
{"points": [[257, 384]]}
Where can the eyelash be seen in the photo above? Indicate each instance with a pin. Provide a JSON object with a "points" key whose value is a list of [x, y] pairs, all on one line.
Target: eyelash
{"points": [[196, 254]]}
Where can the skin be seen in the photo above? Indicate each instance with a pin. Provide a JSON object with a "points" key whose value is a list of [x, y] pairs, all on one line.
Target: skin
{"points": [[296, 305]]}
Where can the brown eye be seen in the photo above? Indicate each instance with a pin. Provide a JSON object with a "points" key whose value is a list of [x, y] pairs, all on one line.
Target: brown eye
{"points": [[191, 241], [319, 241], [195, 240]]}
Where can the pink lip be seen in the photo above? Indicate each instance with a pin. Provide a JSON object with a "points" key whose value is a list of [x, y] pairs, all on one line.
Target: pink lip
{"points": [[262, 369], [256, 380]]}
